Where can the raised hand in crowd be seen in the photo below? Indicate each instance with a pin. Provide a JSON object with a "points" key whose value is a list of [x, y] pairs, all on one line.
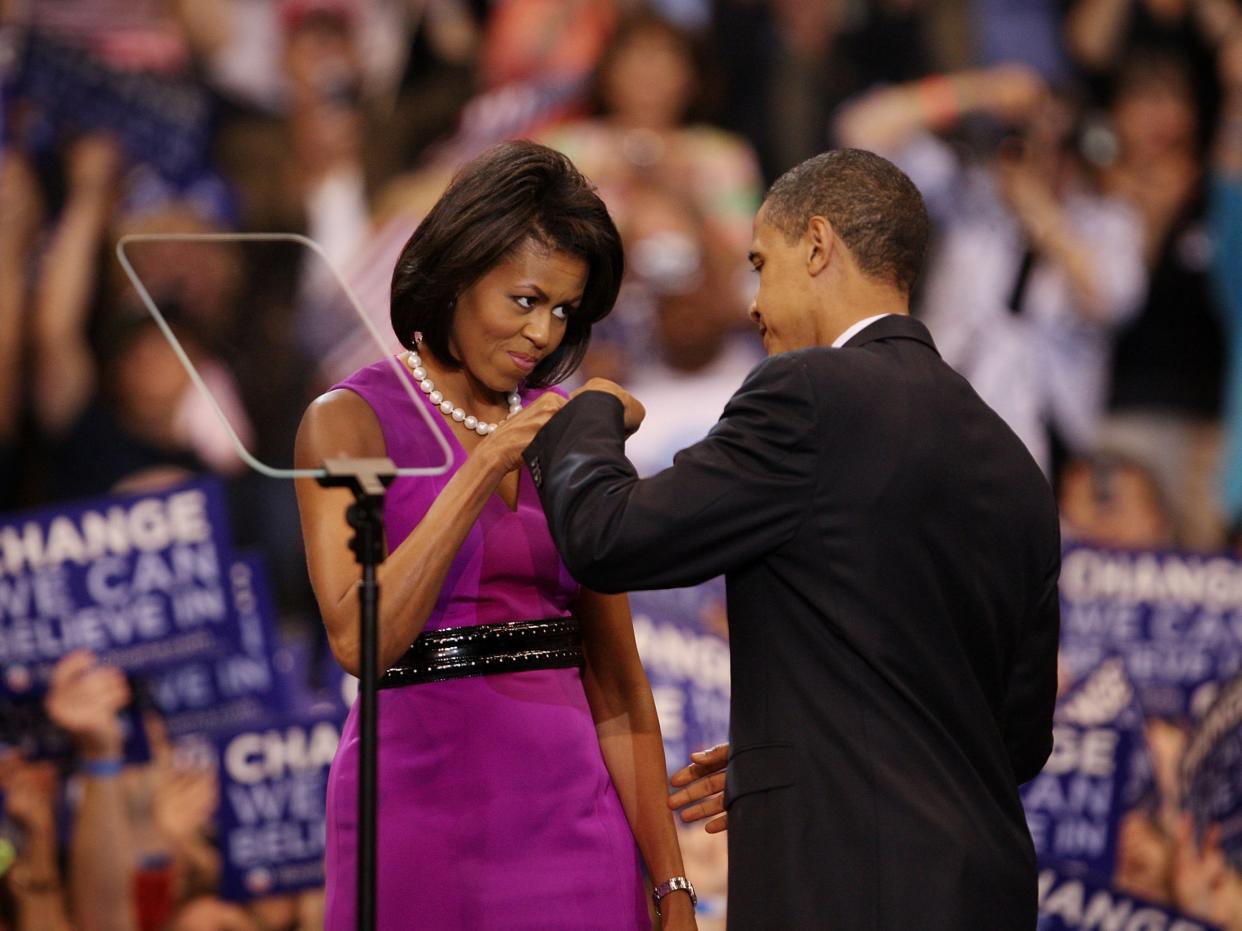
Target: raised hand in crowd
{"points": [[1204, 885], [1227, 154], [889, 117], [85, 699], [184, 800], [1096, 29], [21, 212], [65, 371], [1027, 178], [700, 789], [34, 878]]}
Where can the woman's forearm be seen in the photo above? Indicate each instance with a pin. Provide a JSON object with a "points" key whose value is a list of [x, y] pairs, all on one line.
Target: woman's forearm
{"points": [[413, 574], [628, 729], [633, 751]]}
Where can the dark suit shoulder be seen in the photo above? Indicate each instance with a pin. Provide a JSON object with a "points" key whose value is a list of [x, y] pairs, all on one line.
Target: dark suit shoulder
{"points": [[841, 379], [778, 387], [785, 370]]}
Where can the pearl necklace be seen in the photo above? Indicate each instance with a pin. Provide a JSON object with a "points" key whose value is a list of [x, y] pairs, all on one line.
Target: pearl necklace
{"points": [[415, 364]]}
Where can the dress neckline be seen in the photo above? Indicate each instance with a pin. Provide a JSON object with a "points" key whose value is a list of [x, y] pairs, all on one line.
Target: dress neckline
{"points": [[460, 451]]}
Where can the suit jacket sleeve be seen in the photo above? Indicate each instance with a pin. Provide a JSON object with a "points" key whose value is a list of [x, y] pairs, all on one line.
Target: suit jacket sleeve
{"points": [[1033, 686], [731, 498]]}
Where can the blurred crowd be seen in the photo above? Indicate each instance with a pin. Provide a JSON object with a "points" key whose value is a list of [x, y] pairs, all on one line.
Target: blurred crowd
{"points": [[1082, 161]]}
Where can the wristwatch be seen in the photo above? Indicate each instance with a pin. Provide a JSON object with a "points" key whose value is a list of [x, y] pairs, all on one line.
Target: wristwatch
{"points": [[674, 884]]}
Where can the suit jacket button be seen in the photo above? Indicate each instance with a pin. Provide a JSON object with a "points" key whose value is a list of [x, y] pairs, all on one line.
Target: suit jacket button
{"points": [[536, 473]]}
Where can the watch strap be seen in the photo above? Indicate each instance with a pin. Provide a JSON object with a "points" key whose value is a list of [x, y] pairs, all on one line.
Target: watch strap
{"points": [[673, 884]]}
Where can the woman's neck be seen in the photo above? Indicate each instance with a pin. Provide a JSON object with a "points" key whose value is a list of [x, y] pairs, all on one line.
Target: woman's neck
{"points": [[464, 389]]}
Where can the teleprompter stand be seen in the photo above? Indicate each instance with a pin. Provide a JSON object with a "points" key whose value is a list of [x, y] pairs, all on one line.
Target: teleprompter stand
{"points": [[367, 479]]}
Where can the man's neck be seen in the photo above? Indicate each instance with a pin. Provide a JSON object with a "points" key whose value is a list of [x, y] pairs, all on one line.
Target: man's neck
{"points": [[854, 297]]}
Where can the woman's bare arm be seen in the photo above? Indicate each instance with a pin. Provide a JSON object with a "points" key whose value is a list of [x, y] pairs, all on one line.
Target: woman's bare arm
{"points": [[341, 424], [629, 738]]}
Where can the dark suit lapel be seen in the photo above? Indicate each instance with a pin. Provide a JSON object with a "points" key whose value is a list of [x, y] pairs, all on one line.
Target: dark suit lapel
{"points": [[894, 326]]}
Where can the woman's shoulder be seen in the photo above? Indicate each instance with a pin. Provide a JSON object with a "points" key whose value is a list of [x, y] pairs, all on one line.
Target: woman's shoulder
{"points": [[338, 422], [359, 402]]}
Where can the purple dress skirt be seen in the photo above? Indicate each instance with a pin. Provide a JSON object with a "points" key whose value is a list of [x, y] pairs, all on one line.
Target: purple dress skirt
{"points": [[495, 808]]}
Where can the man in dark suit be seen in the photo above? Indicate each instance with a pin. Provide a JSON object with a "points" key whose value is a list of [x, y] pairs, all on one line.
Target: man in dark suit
{"points": [[891, 552]]}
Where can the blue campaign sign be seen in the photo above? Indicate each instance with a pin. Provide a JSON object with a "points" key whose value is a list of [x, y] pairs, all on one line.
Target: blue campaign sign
{"points": [[140, 580], [313, 682], [163, 121], [687, 663], [1175, 619], [1108, 696], [1074, 806], [270, 823], [1070, 900], [230, 691]]}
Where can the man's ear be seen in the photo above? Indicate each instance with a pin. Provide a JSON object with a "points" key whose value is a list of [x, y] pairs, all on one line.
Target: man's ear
{"points": [[821, 242]]}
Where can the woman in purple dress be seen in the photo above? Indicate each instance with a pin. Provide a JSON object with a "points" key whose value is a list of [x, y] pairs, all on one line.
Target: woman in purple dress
{"points": [[521, 769]]}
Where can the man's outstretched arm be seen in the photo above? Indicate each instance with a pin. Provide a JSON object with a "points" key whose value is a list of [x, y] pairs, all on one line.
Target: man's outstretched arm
{"points": [[738, 494]]}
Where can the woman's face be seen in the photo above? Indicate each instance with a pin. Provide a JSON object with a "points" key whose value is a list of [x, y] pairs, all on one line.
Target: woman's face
{"points": [[514, 317]]}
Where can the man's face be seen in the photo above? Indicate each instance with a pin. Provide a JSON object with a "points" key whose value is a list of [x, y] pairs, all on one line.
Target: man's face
{"points": [[781, 307]]}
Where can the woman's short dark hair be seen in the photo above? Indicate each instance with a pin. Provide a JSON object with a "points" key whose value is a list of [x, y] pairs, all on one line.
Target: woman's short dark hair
{"points": [[513, 192]]}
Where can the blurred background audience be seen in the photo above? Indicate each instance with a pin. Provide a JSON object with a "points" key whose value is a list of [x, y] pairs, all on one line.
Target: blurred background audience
{"points": [[1082, 161]]}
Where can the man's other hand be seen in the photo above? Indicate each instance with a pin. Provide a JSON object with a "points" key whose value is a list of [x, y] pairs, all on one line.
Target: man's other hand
{"points": [[700, 789]]}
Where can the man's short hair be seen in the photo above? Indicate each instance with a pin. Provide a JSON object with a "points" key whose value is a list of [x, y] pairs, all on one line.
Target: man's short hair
{"points": [[875, 209]]}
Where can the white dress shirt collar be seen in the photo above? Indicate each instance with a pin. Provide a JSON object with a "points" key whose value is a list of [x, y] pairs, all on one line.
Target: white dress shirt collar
{"points": [[856, 329]]}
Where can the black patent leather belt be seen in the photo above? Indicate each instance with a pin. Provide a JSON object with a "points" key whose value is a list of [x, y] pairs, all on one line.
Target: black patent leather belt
{"points": [[488, 649]]}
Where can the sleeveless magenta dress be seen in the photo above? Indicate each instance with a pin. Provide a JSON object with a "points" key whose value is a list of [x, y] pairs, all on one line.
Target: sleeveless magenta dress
{"points": [[495, 808]]}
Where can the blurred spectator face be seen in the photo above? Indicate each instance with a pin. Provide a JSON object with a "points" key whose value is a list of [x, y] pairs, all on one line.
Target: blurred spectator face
{"points": [[276, 911], [146, 381], [1154, 111], [211, 914], [668, 257], [1112, 503], [320, 57], [809, 26], [648, 78], [200, 279], [1051, 125], [1168, 10]]}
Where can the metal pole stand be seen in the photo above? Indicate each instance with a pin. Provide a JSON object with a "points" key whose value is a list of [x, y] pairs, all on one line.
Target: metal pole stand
{"points": [[367, 479]]}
